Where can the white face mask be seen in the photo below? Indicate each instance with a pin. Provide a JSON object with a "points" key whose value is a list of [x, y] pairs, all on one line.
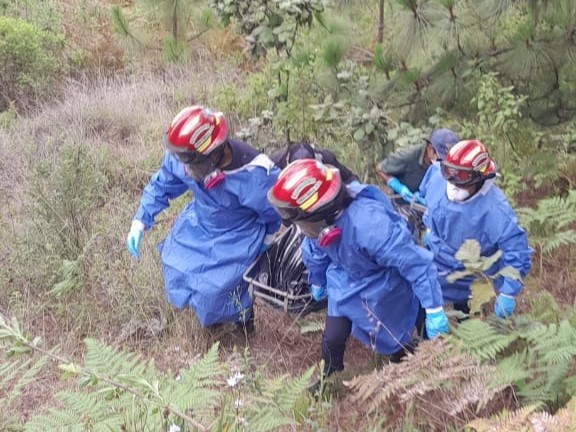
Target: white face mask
{"points": [[456, 194]]}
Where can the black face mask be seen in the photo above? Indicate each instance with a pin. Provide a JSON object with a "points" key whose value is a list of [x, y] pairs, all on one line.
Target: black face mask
{"points": [[199, 170], [203, 168]]}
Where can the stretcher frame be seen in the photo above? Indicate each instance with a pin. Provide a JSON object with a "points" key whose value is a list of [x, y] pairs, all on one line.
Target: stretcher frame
{"points": [[266, 292]]}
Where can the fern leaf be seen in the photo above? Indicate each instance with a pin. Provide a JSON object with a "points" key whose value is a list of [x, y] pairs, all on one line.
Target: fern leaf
{"points": [[267, 419], [108, 361], [481, 339], [292, 391]]}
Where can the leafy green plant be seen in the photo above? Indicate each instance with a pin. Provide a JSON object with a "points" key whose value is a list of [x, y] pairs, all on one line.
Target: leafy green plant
{"points": [[120, 391], [274, 27], [64, 200], [269, 24], [536, 358], [32, 63], [498, 114], [549, 224], [476, 266], [351, 110]]}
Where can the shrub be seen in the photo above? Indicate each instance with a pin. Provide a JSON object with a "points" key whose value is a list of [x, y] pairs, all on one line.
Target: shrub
{"points": [[31, 62]]}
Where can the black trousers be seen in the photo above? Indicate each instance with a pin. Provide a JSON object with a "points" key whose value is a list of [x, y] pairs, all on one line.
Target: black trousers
{"points": [[336, 333]]}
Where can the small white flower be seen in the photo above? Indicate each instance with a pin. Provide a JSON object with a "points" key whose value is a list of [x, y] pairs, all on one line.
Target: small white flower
{"points": [[234, 379], [174, 428], [238, 403]]}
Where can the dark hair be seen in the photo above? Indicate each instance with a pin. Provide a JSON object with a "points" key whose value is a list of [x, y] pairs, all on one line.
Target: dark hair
{"points": [[300, 150]]}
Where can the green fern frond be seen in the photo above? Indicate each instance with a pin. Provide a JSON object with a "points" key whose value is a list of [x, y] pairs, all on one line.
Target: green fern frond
{"points": [[537, 362], [198, 387], [108, 361], [92, 407], [559, 239], [511, 370], [267, 419], [16, 374], [205, 372], [67, 420], [293, 390], [481, 339], [549, 224]]}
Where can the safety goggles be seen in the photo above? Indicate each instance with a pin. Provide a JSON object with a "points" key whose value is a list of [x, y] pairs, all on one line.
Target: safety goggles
{"points": [[190, 158], [310, 228], [292, 214], [459, 175]]}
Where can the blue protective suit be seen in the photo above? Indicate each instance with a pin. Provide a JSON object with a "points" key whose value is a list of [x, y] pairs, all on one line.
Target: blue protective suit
{"points": [[433, 168], [215, 237], [486, 217], [374, 268]]}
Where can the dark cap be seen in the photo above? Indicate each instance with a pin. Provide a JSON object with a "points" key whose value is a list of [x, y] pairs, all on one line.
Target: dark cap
{"points": [[442, 140]]}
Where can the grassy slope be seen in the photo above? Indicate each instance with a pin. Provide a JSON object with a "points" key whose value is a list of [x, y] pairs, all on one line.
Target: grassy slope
{"points": [[120, 121]]}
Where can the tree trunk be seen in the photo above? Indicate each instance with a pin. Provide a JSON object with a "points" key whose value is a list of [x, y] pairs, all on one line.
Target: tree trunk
{"points": [[380, 36], [175, 21]]}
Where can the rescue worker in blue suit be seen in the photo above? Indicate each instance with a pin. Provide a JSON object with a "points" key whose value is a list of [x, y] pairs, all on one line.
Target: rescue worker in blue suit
{"points": [[228, 223], [361, 251], [464, 203]]}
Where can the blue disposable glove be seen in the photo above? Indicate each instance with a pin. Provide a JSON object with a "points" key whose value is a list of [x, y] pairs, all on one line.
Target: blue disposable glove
{"points": [[400, 188], [504, 305], [134, 237], [318, 292], [436, 322], [419, 199]]}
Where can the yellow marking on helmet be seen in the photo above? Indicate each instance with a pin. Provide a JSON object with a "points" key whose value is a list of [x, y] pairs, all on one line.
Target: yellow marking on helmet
{"points": [[217, 119], [328, 175], [200, 149], [309, 202]]}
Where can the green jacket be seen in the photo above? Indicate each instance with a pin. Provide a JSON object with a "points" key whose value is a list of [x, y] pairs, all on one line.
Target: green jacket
{"points": [[407, 165]]}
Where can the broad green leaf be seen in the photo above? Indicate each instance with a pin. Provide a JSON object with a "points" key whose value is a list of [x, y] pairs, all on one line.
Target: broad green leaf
{"points": [[453, 277], [469, 251], [482, 292], [510, 273]]}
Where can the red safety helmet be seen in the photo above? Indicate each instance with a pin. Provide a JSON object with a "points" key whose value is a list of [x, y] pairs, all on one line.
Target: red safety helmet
{"points": [[195, 131], [306, 189], [468, 163]]}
